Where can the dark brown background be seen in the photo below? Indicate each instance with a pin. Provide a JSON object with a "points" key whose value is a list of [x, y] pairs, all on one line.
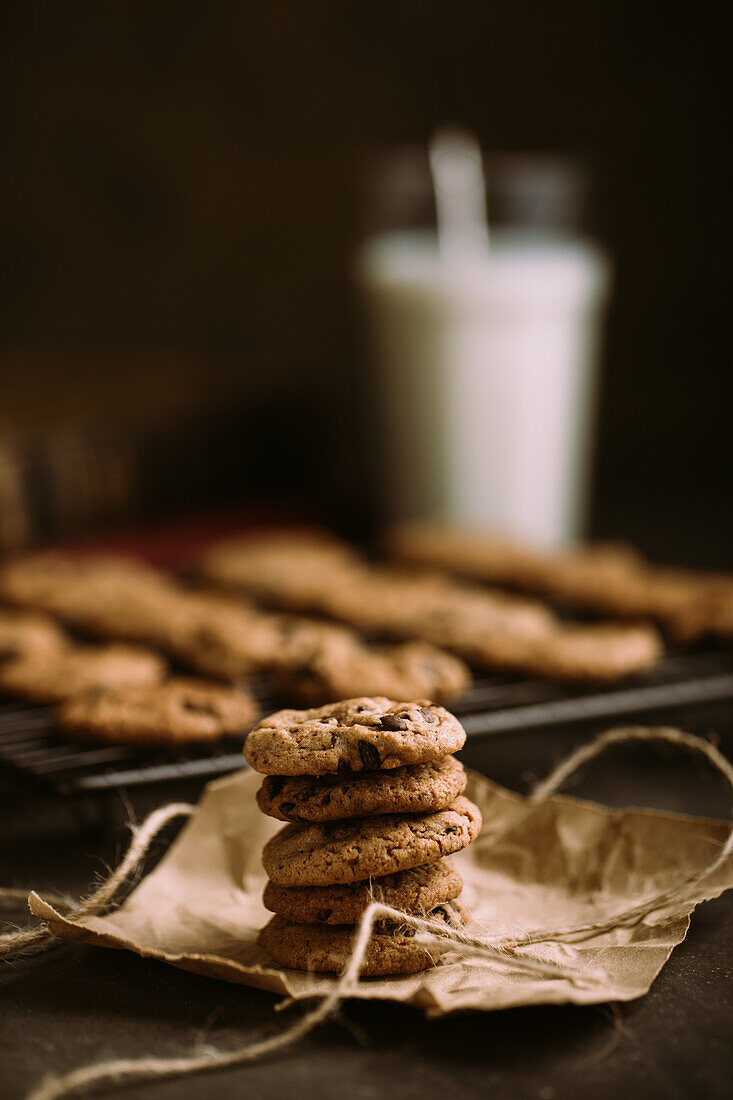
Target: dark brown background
{"points": [[182, 179]]}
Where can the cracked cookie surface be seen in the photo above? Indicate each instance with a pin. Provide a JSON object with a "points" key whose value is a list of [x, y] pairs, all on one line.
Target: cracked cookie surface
{"points": [[351, 851], [418, 788], [364, 734], [415, 891]]}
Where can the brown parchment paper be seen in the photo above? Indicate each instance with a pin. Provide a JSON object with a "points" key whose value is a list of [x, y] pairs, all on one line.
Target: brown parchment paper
{"points": [[555, 864]]}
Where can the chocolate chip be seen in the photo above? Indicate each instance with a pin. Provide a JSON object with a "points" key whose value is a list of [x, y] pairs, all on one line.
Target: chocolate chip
{"points": [[323, 915], [286, 808], [274, 784], [393, 722], [429, 715], [94, 692], [207, 710], [453, 830], [370, 757]]}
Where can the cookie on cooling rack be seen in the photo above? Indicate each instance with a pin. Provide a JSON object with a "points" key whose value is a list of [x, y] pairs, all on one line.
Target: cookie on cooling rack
{"points": [[178, 710]]}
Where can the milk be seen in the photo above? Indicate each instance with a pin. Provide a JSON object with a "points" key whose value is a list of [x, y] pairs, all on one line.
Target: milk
{"points": [[485, 372]]}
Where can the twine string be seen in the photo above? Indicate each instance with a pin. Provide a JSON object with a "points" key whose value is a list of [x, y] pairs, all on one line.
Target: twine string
{"points": [[583, 755], [13, 943], [428, 933], [124, 1070]]}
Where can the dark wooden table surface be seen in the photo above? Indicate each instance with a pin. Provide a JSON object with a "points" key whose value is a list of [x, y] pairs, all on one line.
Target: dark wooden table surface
{"points": [[78, 1004]]}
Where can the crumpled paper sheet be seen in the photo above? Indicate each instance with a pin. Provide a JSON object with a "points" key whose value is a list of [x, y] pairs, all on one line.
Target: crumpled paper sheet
{"points": [[552, 865]]}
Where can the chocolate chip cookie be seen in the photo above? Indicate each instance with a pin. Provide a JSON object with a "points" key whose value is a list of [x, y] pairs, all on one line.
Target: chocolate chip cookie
{"points": [[417, 788], [225, 638], [323, 949], [351, 851], [414, 670], [611, 578], [229, 638], [39, 580], [710, 612], [68, 669], [175, 711], [110, 596], [287, 569], [415, 891], [597, 651], [26, 632], [365, 734], [491, 558], [429, 606]]}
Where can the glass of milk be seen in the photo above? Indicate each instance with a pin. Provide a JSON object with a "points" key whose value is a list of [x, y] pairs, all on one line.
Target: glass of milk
{"points": [[485, 351]]}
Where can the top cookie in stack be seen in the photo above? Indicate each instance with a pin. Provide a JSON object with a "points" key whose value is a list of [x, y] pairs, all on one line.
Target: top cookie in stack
{"points": [[374, 800]]}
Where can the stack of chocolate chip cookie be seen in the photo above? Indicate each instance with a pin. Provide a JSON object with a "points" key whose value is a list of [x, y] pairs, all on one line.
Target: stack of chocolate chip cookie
{"points": [[375, 801]]}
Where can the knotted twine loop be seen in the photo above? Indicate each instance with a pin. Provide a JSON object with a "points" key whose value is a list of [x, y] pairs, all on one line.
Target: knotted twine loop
{"points": [[14, 943], [429, 933]]}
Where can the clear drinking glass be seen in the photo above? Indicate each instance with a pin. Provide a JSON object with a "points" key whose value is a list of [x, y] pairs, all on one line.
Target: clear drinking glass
{"points": [[485, 371]]}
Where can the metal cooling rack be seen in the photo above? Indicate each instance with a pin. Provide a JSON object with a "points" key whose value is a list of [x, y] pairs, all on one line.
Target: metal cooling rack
{"points": [[38, 755]]}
